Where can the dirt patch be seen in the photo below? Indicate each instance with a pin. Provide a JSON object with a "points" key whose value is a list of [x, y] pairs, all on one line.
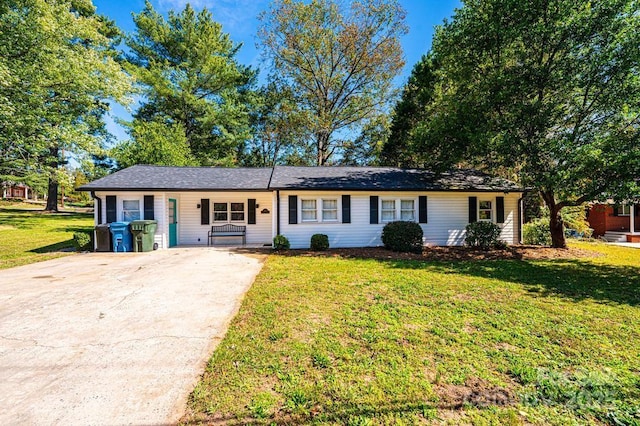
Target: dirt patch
{"points": [[476, 392], [516, 252]]}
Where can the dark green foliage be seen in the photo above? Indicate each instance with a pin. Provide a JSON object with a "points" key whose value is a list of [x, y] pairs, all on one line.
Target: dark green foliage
{"points": [[484, 235], [187, 68], [82, 241], [399, 148], [536, 232], [319, 242], [280, 242], [543, 92], [403, 237]]}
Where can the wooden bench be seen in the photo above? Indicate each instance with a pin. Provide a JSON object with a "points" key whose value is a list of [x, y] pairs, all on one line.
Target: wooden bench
{"points": [[228, 230]]}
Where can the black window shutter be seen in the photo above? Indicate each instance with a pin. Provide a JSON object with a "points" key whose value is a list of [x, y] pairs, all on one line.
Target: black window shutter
{"points": [[293, 209], [251, 211], [422, 209], [615, 210], [473, 209], [499, 209], [204, 211], [148, 208], [111, 208], [346, 209], [373, 209]]}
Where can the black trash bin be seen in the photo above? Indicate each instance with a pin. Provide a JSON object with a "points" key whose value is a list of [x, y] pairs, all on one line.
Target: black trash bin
{"points": [[103, 238]]}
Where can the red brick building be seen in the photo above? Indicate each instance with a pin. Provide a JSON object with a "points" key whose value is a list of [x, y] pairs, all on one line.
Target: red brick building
{"points": [[605, 218]]}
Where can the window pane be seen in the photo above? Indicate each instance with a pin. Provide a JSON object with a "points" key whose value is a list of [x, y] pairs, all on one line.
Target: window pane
{"points": [[308, 204], [406, 204], [484, 215], [131, 204], [388, 215], [308, 215], [237, 207], [329, 204], [388, 204], [485, 205], [220, 207], [220, 216], [330, 215], [128, 216], [237, 216], [407, 215]]}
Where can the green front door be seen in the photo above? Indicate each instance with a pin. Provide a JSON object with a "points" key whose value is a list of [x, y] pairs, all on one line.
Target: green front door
{"points": [[173, 223]]}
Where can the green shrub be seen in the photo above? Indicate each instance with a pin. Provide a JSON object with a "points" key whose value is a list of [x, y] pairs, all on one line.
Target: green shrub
{"points": [[319, 242], [537, 233], [403, 237], [82, 241], [280, 242], [483, 235]]}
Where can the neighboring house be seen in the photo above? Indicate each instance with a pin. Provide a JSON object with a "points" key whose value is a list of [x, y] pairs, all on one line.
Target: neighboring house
{"points": [[16, 190], [349, 204], [615, 222]]}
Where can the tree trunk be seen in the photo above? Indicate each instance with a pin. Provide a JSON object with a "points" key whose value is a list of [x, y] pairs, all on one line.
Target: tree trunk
{"points": [[556, 226], [322, 144], [52, 191]]}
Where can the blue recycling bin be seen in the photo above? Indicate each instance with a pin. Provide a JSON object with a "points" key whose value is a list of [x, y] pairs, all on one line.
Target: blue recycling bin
{"points": [[121, 236]]}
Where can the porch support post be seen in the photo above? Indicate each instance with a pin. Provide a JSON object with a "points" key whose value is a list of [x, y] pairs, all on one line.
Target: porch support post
{"points": [[632, 218]]}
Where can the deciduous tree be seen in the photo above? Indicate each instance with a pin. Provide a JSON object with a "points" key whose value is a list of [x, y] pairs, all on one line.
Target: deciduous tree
{"points": [[339, 60], [57, 69], [544, 91]]}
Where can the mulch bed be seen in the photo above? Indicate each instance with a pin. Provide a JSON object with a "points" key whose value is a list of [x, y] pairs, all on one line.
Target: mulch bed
{"points": [[516, 252]]}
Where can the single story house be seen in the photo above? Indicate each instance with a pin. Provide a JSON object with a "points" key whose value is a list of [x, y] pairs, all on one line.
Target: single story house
{"points": [[615, 222], [349, 204]]}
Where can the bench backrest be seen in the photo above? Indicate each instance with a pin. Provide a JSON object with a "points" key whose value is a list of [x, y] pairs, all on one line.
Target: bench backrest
{"points": [[229, 227]]}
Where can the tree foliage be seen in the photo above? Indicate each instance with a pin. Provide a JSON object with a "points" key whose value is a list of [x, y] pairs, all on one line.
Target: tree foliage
{"points": [[154, 142], [191, 80], [57, 69], [547, 92], [338, 60]]}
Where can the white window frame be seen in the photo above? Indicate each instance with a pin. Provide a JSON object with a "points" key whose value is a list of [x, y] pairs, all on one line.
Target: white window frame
{"points": [[397, 208], [490, 210], [621, 209], [319, 209], [229, 212], [324, 209], [122, 209]]}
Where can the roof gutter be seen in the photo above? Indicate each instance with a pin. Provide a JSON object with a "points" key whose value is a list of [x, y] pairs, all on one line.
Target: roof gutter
{"points": [[98, 207]]}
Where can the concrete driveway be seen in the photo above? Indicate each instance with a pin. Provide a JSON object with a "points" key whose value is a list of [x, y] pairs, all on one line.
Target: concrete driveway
{"points": [[106, 338]]}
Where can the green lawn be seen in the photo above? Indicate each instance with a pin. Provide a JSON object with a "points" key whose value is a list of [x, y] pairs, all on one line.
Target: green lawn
{"points": [[28, 235], [327, 340]]}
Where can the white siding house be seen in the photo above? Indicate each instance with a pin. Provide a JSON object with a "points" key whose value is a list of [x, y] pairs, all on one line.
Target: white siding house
{"points": [[349, 204]]}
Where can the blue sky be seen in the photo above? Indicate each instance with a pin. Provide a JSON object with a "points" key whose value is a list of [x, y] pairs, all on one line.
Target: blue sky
{"points": [[239, 19]]}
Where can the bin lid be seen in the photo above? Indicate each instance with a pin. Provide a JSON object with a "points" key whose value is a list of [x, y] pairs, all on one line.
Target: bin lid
{"points": [[144, 222], [119, 225], [103, 225]]}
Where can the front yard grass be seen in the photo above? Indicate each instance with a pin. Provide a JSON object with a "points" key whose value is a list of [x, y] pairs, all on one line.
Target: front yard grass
{"points": [[329, 340], [28, 235]]}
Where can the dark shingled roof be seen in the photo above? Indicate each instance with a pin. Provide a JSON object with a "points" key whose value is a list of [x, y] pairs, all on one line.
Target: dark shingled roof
{"points": [[163, 178], [385, 179], [159, 178]]}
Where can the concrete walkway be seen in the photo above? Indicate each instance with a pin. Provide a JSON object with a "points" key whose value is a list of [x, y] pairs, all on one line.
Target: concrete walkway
{"points": [[111, 339], [630, 245]]}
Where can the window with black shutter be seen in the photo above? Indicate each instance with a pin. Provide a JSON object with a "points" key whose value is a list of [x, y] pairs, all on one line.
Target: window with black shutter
{"points": [[204, 211], [346, 209], [422, 209], [111, 208], [293, 209], [149, 213], [373, 209], [499, 209], [473, 209], [251, 211]]}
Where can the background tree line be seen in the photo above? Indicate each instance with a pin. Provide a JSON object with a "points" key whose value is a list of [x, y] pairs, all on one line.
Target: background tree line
{"points": [[544, 92]]}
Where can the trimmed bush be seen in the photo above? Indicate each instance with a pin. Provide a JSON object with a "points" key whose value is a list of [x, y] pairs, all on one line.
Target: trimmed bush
{"points": [[280, 242], [319, 242], [402, 236], [82, 241], [483, 235], [537, 233]]}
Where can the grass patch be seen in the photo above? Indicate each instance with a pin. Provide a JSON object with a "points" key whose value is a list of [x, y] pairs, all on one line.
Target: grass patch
{"points": [[329, 340], [28, 235]]}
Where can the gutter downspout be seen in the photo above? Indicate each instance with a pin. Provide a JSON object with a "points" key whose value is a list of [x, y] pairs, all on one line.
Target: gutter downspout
{"points": [[277, 212], [98, 207], [521, 215]]}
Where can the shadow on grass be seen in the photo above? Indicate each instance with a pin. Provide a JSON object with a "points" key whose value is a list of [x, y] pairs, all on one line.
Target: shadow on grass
{"points": [[571, 278], [34, 218], [65, 246]]}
